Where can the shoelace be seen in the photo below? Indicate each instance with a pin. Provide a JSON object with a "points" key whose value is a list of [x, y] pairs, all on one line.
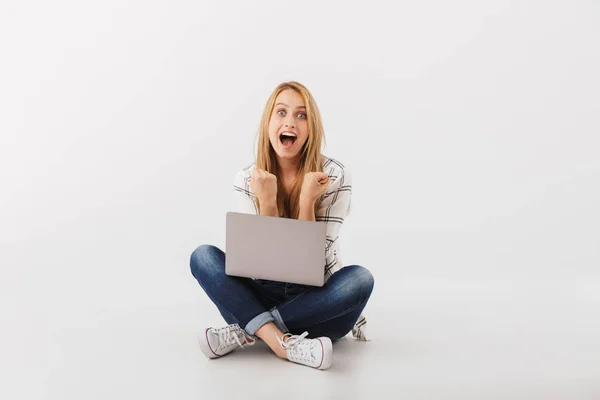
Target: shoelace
{"points": [[299, 347], [228, 334]]}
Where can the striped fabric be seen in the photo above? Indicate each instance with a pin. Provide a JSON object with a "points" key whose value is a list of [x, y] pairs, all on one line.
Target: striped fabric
{"points": [[335, 206]]}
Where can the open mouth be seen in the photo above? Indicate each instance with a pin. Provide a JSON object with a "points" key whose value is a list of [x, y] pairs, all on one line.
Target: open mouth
{"points": [[287, 139]]}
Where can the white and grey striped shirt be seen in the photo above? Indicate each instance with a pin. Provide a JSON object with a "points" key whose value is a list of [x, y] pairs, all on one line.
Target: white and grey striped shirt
{"points": [[336, 205]]}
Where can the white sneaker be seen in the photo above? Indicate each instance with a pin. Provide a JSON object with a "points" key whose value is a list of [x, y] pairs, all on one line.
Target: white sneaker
{"points": [[316, 353], [216, 342]]}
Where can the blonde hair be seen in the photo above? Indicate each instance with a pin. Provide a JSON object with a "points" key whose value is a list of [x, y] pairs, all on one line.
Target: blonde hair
{"points": [[310, 154]]}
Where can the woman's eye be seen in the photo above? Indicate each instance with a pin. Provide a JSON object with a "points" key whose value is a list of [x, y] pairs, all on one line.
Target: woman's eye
{"points": [[300, 115]]}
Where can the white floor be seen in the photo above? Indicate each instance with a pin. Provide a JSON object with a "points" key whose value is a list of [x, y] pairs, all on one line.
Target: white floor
{"points": [[430, 340]]}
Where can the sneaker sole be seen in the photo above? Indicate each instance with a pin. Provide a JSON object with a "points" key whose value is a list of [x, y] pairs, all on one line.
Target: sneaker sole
{"points": [[327, 352]]}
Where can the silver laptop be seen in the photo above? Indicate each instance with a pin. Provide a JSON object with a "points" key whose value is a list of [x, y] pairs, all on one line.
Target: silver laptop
{"points": [[276, 249]]}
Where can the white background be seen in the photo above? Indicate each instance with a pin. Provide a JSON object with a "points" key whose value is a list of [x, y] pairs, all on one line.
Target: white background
{"points": [[472, 131]]}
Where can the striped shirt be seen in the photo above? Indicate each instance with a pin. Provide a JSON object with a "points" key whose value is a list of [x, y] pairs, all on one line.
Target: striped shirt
{"points": [[335, 206]]}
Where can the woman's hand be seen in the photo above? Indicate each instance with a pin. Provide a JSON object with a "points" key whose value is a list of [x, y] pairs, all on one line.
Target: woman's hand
{"points": [[313, 186], [264, 185]]}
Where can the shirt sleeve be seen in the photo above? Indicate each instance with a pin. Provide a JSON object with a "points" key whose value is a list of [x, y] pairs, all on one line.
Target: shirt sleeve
{"points": [[334, 208], [244, 195]]}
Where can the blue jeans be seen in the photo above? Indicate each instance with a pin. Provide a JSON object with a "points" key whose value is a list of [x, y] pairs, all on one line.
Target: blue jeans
{"points": [[330, 310]]}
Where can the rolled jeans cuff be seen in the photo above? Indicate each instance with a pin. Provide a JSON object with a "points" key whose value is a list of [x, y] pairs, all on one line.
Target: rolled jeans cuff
{"points": [[258, 321], [278, 320]]}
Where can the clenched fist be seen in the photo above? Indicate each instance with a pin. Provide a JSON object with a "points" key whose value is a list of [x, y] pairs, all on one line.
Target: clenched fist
{"points": [[264, 185], [313, 186]]}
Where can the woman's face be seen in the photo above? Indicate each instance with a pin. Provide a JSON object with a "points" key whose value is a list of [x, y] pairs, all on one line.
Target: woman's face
{"points": [[288, 127]]}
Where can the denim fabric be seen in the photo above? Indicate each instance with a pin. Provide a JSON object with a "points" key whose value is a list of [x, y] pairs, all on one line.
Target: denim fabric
{"points": [[330, 310]]}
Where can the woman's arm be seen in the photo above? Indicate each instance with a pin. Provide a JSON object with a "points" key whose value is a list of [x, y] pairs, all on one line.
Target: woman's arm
{"points": [[307, 210], [314, 186], [244, 194], [247, 198], [269, 210], [334, 208]]}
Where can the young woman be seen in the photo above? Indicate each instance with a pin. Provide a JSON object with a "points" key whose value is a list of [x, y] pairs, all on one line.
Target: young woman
{"points": [[290, 179]]}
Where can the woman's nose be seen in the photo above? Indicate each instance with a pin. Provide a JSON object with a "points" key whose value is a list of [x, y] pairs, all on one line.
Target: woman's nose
{"points": [[289, 121]]}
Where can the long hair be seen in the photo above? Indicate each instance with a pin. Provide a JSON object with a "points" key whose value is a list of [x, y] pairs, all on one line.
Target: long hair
{"points": [[310, 154]]}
